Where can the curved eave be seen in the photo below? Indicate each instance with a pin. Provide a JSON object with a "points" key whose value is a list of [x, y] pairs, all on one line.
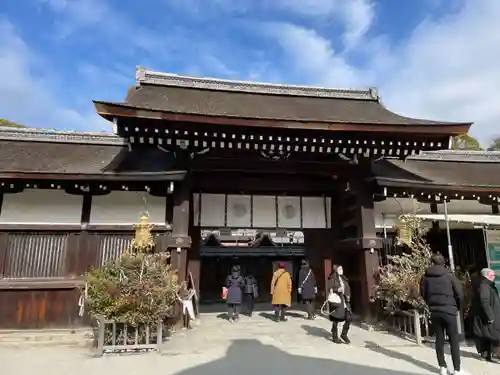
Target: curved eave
{"points": [[110, 110], [129, 177], [431, 185]]}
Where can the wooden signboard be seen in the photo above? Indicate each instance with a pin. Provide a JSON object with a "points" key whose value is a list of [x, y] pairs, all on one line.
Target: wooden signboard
{"points": [[493, 252]]}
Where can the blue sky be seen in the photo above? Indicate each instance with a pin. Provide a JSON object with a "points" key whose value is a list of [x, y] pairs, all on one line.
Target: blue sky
{"points": [[432, 58]]}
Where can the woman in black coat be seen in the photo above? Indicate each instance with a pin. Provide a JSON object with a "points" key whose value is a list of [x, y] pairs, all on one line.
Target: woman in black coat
{"points": [[486, 315], [307, 288], [339, 298], [234, 284], [250, 293]]}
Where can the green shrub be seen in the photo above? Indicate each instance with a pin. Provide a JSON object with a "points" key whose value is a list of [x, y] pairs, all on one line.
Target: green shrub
{"points": [[136, 288]]}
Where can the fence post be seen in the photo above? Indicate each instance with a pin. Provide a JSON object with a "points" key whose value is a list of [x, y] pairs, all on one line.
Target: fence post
{"points": [[159, 334], [100, 335], [418, 330]]}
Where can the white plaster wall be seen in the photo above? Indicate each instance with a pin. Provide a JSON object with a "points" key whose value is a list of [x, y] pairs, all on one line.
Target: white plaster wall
{"points": [[209, 211], [239, 211], [313, 212], [38, 206], [125, 207], [389, 210], [289, 213], [213, 209]]}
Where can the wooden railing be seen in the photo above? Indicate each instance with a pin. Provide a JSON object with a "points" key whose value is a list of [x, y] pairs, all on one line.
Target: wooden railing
{"points": [[410, 324], [116, 337]]}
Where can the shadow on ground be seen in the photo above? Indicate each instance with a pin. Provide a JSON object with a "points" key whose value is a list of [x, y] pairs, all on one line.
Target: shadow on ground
{"points": [[250, 357], [374, 347], [317, 332], [221, 307]]}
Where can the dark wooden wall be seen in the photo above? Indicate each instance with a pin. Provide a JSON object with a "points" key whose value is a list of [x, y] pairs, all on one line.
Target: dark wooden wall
{"points": [[41, 273], [469, 248]]}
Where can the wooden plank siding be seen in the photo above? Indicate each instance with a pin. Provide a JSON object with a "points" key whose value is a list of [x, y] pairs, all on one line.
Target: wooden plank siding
{"points": [[41, 273]]}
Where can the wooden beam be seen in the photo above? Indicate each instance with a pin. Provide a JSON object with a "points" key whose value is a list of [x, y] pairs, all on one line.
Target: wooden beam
{"points": [[273, 167], [398, 185], [75, 227], [233, 183], [125, 177], [37, 283], [86, 209]]}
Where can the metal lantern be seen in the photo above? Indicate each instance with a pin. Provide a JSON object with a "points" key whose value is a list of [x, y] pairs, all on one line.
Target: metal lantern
{"points": [[143, 240], [404, 232]]}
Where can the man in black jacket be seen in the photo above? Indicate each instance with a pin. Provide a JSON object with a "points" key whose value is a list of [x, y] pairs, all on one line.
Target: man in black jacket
{"points": [[443, 293]]}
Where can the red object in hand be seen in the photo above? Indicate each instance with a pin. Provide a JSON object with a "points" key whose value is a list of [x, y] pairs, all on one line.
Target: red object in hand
{"points": [[224, 293]]}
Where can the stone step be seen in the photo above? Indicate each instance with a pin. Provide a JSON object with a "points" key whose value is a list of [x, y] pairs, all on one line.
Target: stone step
{"points": [[81, 336]]}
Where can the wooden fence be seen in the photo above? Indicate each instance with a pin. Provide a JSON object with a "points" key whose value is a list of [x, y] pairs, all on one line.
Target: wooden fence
{"points": [[41, 273], [411, 325], [115, 336]]}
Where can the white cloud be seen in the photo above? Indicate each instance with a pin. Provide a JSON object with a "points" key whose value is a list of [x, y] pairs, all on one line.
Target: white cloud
{"points": [[448, 69], [26, 97], [114, 25], [314, 58], [356, 16]]}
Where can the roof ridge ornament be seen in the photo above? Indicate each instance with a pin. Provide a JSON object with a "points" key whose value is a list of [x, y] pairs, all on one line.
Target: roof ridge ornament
{"points": [[145, 76], [459, 155], [374, 93], [59, 136]]}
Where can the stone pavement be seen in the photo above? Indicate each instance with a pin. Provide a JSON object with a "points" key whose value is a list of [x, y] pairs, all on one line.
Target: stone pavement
{"points": [[252, 346]]}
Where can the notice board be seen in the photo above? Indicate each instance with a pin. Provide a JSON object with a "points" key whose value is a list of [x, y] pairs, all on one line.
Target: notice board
{"points": [[493, 252]]}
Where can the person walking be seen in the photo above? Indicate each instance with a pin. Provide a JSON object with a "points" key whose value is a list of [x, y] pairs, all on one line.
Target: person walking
{"points": [[485, 312], [339, 304], [281, 291], [250, 293], [443, 294], [307, 288], [234, 285]]}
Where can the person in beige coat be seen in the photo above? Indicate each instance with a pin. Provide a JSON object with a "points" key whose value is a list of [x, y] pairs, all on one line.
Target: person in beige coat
{"points": [[281, 290]]}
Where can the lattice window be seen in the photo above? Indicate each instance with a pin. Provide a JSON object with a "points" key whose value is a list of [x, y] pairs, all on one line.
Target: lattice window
{"points": [[32, 255], [112, 245]]}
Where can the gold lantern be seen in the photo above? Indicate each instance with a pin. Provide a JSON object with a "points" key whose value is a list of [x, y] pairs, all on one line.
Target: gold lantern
{"points": [[404, 231], [143, 239]]}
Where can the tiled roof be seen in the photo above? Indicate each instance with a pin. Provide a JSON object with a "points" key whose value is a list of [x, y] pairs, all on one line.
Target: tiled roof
{"points": [[445, 168], [58, 136], [214, 97], [55, 157], [33, 151]]}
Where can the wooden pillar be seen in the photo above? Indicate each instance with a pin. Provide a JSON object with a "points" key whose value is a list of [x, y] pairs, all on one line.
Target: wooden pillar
{"points": [[319, 248], [180, 241], [368, 251], [4, 243], [4, 237], [194, 259]]}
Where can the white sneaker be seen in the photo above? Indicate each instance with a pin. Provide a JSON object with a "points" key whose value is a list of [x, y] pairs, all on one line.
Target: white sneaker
{"points": [[461, 372], [443, 371]]}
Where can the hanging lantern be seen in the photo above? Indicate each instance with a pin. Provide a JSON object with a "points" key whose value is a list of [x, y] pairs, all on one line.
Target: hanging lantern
{"points": [[404, 231], [143, 240]]}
